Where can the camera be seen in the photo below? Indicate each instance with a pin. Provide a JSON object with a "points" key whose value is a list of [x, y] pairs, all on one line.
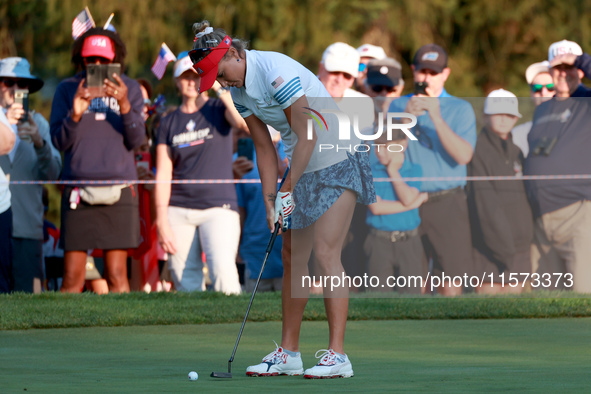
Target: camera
{"points": [[21, 96]]}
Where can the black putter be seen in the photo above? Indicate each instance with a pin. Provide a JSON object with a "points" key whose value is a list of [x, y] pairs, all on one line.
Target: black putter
{"points": [[256, 286]]}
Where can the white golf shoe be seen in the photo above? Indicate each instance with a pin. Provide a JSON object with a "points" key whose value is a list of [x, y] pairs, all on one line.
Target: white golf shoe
{"points": [[277, 363], [330, 366]]}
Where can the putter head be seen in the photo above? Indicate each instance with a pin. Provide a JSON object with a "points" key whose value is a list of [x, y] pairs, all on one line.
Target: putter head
{"points": [[221, 374]]}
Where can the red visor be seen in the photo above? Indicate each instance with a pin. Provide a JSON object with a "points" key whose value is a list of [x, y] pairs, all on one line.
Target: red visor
{"points": [[207, 68]]}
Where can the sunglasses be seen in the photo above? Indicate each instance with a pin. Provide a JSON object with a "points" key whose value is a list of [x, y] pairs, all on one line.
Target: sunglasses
{"points": [[537, 88], [10, 82], [196, 55], [380, 88], [94, 59], [347, 76]]}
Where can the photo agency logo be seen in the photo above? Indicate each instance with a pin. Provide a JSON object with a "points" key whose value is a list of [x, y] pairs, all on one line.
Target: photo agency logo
{"points": [[394, 121]]}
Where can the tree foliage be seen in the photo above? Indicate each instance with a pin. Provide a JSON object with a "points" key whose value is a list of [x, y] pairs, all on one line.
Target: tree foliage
{"points": [[490, 43]]}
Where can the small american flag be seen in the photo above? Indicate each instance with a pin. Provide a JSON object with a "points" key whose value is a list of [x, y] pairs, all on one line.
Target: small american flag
{"points": [[276, 83], [82, 23], [164, 57]]}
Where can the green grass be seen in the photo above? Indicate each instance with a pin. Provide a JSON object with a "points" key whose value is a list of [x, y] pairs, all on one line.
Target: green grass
{"points": [[55, 310], [523, 355]]}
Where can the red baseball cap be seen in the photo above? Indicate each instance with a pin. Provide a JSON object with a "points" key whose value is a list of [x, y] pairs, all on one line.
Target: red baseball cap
{"points": [[206, 61], [98, 46]]}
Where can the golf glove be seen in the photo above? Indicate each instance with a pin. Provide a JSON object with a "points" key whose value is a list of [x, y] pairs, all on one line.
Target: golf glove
{"points": [[284, 206]]}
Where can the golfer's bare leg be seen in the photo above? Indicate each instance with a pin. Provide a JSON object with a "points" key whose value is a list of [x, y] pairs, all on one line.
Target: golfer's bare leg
{"points": [[293, 305], [330, 232]]}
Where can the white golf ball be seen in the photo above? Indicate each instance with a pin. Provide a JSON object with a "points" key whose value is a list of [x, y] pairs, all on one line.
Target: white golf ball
{"points": [[193, 375]]}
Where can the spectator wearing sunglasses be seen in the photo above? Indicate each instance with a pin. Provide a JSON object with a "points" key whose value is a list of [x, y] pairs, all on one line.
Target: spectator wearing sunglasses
{"points": [[338, 69], [384, 82], [33, 158], [367, 53], [559, 145], [542, 89], [446, 132]]}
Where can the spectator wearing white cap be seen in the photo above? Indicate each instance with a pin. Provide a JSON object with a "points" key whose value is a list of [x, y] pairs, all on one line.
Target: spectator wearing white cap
{"points": [[338, 69], [559, 145], [568, 65], [542, 89], [367, 53], [502, 223]]}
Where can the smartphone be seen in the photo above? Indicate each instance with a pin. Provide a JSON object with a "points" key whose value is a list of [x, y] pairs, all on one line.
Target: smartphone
{"points": [[421, 88], [143, 160], [246, 148], [96, 75], [21, 96], [113, 68]]}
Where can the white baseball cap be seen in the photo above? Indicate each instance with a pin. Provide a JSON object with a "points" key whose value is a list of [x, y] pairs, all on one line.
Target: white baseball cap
{"points": [[535, 69], [501, 101], [341, 57], [182, 64], [563, 47], [373, 51]]}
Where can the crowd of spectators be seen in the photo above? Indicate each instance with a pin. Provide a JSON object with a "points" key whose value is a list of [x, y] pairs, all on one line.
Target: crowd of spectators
{"points": [[190, 236]]}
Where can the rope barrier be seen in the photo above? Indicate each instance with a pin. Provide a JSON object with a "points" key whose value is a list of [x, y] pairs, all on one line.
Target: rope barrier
{"points": [[235, 181]]}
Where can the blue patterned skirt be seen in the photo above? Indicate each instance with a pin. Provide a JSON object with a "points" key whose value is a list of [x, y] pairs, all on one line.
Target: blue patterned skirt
{"points": [[317, 191]]}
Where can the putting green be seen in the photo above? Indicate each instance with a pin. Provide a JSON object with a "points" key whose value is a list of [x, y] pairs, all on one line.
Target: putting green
{"points": [[444, 355]]}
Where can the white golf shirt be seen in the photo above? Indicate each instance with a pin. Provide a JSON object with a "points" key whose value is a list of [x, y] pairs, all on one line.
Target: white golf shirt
{"points": [[272, 83]]}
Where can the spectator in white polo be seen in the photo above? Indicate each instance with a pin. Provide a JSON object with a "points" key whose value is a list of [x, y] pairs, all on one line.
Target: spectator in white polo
{"points": [[542, 89], [367, 52]]}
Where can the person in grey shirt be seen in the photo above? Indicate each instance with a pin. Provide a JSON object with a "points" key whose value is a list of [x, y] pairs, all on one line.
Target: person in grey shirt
{"points": [[32, 158]]}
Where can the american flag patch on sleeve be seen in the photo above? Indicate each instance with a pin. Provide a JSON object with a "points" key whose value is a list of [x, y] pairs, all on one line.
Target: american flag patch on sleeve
{"points": [[276, 83]]}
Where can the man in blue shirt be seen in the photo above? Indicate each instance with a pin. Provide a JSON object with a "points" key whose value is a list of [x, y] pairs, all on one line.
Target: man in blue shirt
{"points": [[446, 132]]}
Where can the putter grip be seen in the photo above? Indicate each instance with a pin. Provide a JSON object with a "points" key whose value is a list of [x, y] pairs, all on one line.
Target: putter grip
{"points": [[272, 239]]}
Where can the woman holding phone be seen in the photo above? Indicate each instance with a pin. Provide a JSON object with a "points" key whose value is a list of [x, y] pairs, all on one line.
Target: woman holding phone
{"points": [[33, 158], [269, 88], [98, 136]]}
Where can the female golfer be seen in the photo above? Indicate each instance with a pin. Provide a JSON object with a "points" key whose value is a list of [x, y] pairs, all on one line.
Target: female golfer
{"points": [[270, 88]]}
